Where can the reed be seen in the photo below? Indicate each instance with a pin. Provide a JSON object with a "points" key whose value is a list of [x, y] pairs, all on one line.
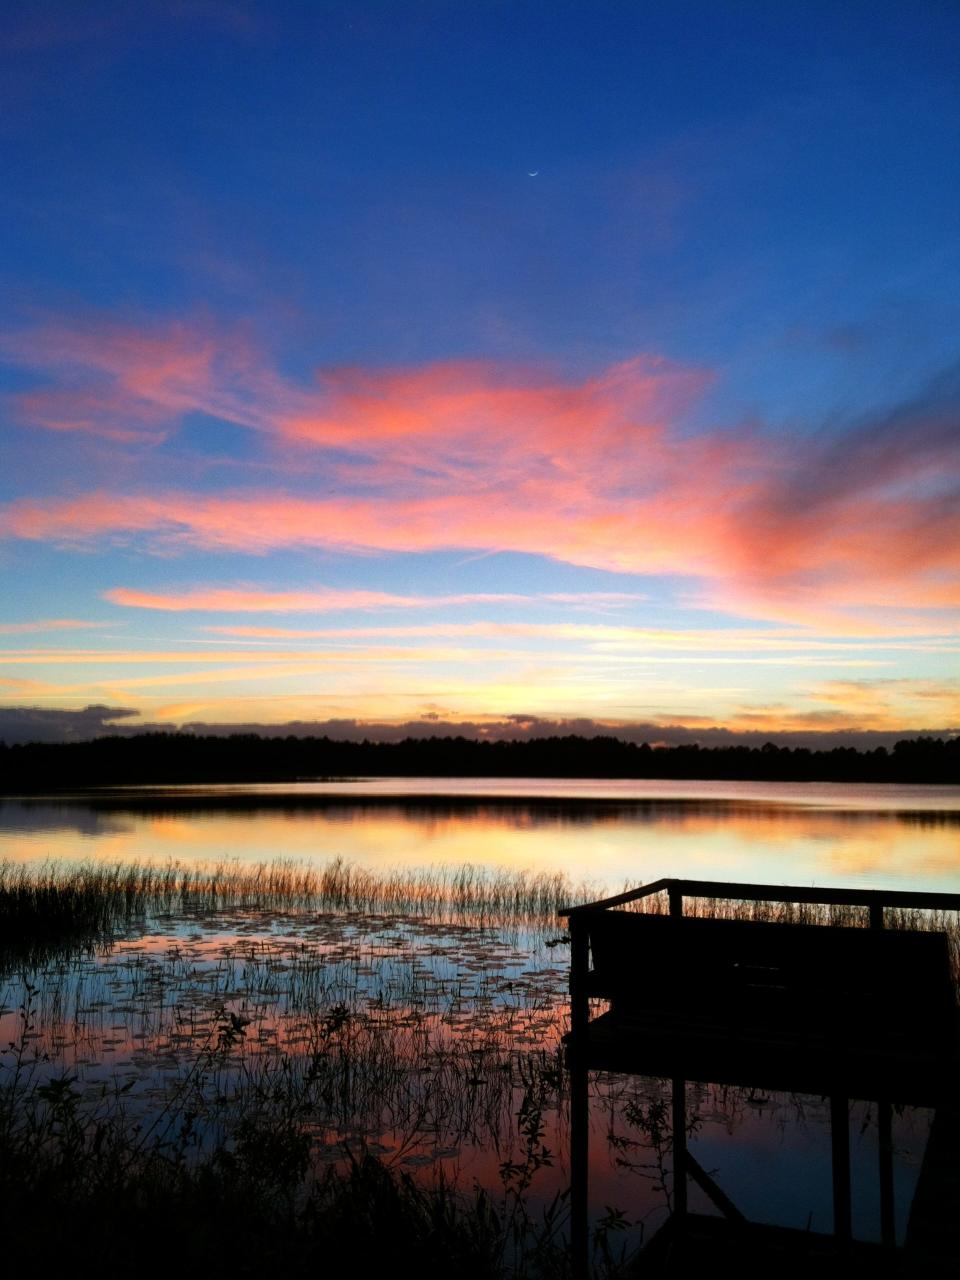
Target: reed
{"points": [[61, 904]]}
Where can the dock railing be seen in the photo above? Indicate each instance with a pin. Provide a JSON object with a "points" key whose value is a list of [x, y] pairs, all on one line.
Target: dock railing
{"points": [[877, 900]]}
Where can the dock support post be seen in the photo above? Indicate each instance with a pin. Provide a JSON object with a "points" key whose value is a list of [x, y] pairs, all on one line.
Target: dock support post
{"points": [[679, 1147], [888, 1225], [840, 1149], [579, 1098], [579, 1167]]}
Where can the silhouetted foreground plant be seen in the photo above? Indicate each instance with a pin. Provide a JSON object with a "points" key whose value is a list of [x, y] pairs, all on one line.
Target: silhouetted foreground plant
{"points": [[92, 1190], [227, 1176], [216, 1219]]}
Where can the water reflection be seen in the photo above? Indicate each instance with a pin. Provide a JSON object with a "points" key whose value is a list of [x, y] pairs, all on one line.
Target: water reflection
{"points": [[609, 842], [435, 1046]]}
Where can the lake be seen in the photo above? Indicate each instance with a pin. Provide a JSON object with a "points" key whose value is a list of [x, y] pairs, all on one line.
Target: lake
{"points": [[608, 833], [433, 1039]]}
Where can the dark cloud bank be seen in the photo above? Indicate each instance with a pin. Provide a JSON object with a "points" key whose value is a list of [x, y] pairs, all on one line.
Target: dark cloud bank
{"points": [[37, 724]]}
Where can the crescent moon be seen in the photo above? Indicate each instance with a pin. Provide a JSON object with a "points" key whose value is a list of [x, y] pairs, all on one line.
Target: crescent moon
{"points": [[532, 173]]}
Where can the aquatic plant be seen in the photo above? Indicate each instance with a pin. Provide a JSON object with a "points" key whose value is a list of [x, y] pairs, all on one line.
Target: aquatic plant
{"points": [[260, 1147], [63, 904]]}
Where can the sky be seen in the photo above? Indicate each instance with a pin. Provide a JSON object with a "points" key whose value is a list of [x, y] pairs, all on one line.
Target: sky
{"points": [[497, 366]]}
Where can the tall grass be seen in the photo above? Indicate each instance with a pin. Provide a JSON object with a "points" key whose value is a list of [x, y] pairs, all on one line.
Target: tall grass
{"points": [[50, 904]]}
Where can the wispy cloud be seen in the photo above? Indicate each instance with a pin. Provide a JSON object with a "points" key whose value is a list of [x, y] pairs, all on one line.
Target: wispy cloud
{"points": [[332, 599], [853, 527], [48, 624], [134, 382], [883, 700], [219, 657], [610, 638]]}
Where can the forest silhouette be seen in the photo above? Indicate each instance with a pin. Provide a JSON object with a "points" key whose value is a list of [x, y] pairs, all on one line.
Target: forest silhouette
{"points": [[155, 758]]}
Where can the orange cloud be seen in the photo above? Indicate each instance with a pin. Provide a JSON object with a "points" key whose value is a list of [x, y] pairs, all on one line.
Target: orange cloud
{"points": [[858, 591], [480, 420], [935, 701]]}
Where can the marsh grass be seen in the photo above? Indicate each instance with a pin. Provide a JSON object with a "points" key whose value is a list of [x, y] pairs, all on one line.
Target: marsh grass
{"points": [[56, 904]]}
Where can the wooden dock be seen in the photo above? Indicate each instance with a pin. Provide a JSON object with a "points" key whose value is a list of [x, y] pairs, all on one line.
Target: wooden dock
{"points": [[840, 1012]]}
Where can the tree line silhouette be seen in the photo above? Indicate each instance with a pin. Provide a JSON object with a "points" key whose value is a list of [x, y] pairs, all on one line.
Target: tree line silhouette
{"points": [[154, 758]]}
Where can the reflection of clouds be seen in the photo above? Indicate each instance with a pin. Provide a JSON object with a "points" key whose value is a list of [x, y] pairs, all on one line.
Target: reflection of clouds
{"points": [[47, 815], [610, 844], [896, 853], [172, 828]]}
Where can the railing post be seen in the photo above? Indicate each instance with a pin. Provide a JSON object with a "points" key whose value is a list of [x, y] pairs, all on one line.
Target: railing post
{"points": [[675, 896], [876, 915]]}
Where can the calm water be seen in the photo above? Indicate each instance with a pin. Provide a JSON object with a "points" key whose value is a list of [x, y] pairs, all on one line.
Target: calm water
{"points": [[454, 1029], [609, 833]]}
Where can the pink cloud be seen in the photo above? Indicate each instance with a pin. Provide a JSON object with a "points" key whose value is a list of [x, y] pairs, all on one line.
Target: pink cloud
{"points": [[130, 382], [857, 528], [47, 624], [119, 380], [234, 600], [469, 422], [650, 535]]}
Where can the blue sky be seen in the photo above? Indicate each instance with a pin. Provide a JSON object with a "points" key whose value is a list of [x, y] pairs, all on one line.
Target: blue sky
{"points": [[323, 325]]}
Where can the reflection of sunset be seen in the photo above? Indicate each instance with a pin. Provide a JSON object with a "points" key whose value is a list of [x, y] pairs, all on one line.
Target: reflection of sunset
{"points": [[604, 844], [423, 1041]]}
